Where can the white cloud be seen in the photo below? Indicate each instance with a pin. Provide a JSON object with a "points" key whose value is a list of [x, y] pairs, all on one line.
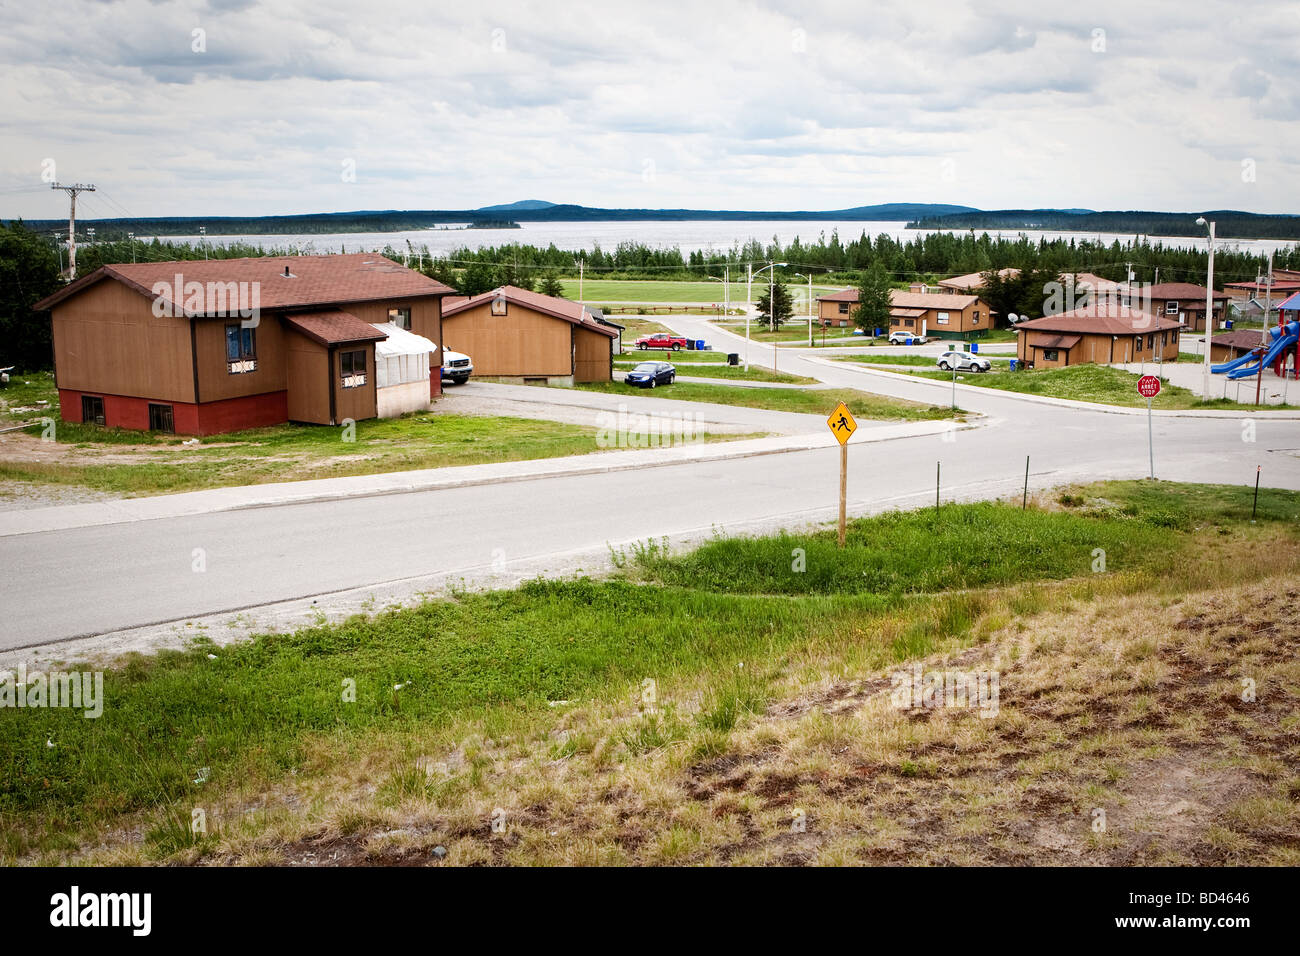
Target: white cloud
{"points": [[823, 104]]}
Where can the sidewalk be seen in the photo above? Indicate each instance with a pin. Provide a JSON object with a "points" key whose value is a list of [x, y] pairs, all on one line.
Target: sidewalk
{"points": [[118, 511]]}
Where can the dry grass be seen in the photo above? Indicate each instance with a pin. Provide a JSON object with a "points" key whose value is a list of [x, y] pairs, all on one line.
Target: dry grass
{"points": [[1120, 694]]}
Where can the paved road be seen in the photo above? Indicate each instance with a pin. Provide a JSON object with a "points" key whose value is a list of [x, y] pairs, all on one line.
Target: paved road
{"points": [[87, 581]]}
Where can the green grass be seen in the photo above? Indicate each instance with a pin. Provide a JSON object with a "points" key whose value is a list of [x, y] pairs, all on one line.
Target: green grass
{"points": [[863, 405], [965, 546], [272, 712], [295, 452], [26, 391], [1084, 383]]}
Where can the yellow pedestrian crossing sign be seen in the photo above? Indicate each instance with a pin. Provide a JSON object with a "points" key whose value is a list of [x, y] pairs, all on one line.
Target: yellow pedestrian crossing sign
{"points": [[841, 423]]}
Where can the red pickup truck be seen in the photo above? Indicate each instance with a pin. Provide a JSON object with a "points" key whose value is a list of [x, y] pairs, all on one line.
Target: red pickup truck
{"points": [[661, 340]]}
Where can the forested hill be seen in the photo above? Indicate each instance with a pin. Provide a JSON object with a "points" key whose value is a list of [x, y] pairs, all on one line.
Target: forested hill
{"points": [[393, 220], [1229, 223]]}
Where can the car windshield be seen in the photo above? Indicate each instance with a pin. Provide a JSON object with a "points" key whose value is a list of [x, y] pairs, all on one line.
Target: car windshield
{"points": [[645, 367]]}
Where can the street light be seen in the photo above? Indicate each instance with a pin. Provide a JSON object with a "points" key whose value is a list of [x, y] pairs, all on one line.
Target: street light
{"points": [[1209, 311], [725, 279], [203, 232], [799, 275], [770, 268]]}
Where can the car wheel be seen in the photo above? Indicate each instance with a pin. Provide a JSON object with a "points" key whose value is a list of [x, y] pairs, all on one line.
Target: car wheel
{"points": [[672, 378], [677, 347], [654, 382], [945, 366], [641, 346]]}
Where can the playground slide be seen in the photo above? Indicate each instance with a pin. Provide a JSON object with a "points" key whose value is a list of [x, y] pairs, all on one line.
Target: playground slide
{"points": [[1236, 363], [1290, 336]]}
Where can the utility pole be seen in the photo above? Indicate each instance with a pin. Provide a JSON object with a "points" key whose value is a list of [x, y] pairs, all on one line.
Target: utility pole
{"points": [[72, 220], [749, 300], [582, 263], [131, 236], [1209, 311], [203, 240], [771, 312]]}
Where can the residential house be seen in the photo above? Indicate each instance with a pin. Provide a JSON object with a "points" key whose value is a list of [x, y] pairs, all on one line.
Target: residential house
{"points": [[203, 347], [944, 315], [969, 284], [1285, 282], [514, 335], [1227, 346], [1104, 333], [1184, 301]]}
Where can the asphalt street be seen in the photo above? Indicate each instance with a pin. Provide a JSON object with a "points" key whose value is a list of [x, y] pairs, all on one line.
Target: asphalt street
{"points": [[93, 580]]}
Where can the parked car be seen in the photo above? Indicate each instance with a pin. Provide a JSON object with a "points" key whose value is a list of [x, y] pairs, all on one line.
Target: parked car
{"points": [[900, 337], [661, 340], [651, 374], [456, 367], [963, 361]]}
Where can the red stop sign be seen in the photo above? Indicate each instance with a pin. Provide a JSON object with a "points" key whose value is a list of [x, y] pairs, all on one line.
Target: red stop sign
{"points": [[1148, 386]]}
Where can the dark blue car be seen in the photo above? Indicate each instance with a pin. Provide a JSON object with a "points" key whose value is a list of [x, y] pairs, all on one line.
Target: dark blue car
{"points": [[650, 374]]}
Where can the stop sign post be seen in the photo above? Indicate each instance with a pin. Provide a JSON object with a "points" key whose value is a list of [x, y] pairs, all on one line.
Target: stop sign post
{"points": [[1149, 388]]}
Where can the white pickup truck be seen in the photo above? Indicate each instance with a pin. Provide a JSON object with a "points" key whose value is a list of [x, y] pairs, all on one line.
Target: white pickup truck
{"points": [[456, 367]]}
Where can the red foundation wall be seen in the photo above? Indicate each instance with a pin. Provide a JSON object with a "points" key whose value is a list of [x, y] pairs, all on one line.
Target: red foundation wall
{"points": [[209, 418]]}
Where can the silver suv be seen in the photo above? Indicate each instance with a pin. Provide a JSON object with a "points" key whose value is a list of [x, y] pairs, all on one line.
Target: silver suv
{"points": [[963, 361]]}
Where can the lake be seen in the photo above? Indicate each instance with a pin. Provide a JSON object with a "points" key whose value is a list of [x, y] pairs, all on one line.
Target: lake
{"points": [[688, 236]]}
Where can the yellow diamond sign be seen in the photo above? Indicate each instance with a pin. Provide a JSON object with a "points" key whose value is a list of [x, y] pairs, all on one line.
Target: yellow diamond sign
{"points": [[841, 423]]}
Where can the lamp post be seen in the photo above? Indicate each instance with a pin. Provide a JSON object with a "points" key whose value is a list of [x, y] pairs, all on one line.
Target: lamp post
{"points": [[770, 269], [1209, 312], [798, 275]]}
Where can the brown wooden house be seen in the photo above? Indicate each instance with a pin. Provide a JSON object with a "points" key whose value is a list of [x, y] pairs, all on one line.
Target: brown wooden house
{"points": [[219, 345], [1184, 301], [515, 335], [1105, 333], [945, 315]]}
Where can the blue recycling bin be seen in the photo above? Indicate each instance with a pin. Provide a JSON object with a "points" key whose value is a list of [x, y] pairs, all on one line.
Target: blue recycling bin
{"points": [[974, 347], [1013, 365], [1227, 324], [699, 345], [909, 340]]}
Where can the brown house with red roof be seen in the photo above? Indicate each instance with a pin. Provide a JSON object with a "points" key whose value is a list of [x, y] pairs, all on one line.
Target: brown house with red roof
{"points": [[515, 335], [1104, 333], [220, 345], [1185, 301]]}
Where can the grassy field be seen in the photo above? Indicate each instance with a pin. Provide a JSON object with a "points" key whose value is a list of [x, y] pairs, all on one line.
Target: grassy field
{"points": [[140, 463], [1084, 383], [750, 717], [635, 290], [814, 402]]}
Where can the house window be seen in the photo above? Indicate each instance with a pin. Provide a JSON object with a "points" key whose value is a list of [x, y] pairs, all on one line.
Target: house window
{"points": [[1171, 308], [160, 419], [1137, 343], [844, 308], [499, 305], [975, 319], [909, 322], [400, 318], [1050, 355], [241, 349], [92, 409], [1151, 341], [941, 318], [354, 368]]}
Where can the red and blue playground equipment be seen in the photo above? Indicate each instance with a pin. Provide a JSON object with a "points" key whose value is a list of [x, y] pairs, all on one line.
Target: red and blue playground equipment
{"points": [[1283, 341]]}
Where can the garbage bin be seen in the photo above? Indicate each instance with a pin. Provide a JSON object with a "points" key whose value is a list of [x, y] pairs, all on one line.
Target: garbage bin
{"points": [[974, 348], [699, 345], [690, 345], [909, 341], [1013, 365], [733, 358], [1227, 324]]}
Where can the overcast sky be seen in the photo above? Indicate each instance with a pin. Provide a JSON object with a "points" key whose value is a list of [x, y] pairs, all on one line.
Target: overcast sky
{"points": [[1152, 104]]}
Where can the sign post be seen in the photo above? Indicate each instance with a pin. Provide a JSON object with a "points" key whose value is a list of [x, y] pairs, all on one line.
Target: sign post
{"points": [[1149, 388], [842, 426]]}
